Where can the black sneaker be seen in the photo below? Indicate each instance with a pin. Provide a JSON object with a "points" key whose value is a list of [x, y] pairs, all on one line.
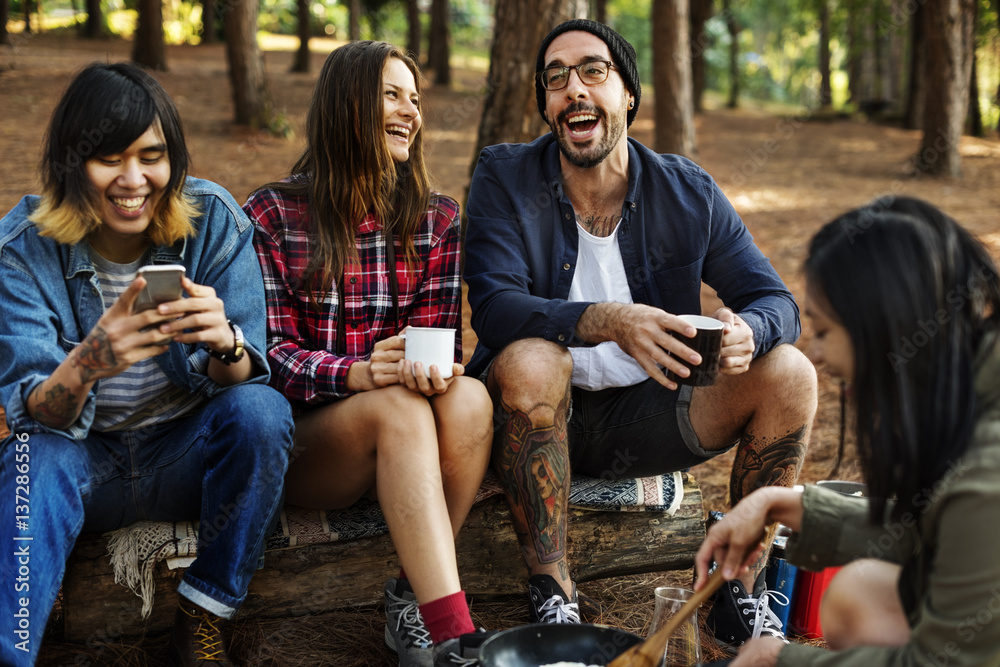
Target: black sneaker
{"points": [[548, 602], [737, 616], [461, 651]]}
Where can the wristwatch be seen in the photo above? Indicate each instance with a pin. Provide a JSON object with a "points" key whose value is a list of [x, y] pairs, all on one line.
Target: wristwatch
{"points": [[236, 353]]}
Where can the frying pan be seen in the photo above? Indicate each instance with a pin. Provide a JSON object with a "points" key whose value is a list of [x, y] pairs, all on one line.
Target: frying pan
{"points": [[542, 644]]}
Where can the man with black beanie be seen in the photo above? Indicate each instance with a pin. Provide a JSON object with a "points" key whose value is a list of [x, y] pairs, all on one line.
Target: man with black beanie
{"points": [[583, 249]]}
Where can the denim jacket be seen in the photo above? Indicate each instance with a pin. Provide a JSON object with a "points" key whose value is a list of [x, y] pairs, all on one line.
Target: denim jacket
{"points": [[677, 230], [52, 299]]}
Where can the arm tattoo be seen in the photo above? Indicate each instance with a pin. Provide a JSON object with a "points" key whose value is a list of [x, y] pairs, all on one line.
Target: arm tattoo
{"points": [[58, 408], [760, 462], [95, 354], [533, 464]]}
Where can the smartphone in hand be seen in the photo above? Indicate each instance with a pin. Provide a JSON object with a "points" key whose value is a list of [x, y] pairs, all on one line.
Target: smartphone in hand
{"points": [[163, 283]]}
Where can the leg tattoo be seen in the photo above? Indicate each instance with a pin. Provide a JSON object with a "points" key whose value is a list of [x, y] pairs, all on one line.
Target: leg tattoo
{"points": [[533, 464], [760, 462]]}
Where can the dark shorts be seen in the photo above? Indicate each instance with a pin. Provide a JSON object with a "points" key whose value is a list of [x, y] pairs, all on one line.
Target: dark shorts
{"points": [[635, 431]]}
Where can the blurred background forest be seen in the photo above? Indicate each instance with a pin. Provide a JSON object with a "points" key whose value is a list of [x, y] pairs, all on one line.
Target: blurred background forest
{"points": [[800, 109], [882, 58]]}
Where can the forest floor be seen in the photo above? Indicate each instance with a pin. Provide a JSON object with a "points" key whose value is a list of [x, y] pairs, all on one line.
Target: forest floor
{"points": [[785, 174]]}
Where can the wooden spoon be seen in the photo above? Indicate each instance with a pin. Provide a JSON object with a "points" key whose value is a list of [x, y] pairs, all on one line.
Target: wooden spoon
{"points": [[650, 652]]}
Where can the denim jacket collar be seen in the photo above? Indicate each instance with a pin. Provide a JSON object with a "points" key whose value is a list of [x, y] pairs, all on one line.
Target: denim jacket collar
{"points": [[80, 262]]}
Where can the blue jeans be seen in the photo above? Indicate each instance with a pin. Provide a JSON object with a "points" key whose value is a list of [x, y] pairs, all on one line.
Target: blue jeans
{"points": [[223, 464]]}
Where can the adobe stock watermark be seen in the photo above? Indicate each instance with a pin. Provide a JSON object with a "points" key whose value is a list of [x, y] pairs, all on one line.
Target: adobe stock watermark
{"points": [[956, 299], [895, 531]]}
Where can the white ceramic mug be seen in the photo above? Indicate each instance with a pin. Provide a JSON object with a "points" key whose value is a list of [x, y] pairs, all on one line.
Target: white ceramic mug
{"points": [[431, 346]]}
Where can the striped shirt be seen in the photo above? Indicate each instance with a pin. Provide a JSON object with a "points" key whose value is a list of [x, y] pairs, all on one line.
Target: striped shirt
{"points": [[141, 395], [302, 338]]}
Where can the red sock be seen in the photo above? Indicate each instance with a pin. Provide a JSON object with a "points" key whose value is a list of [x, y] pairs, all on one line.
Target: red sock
{"points": [[402, 574], [447, 617]]}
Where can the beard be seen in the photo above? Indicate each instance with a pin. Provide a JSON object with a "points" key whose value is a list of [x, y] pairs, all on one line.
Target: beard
{"points": [[594, 154]]}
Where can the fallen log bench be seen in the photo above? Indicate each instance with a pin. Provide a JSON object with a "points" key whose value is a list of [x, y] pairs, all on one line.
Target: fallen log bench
{"points": [[321, 561]]}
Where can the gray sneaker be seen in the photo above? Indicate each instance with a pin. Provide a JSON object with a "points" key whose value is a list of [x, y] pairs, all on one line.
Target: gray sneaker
{"points": [[405, 632]]}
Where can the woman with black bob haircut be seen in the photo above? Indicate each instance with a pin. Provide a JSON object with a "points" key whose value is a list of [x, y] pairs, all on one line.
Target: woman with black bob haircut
{"points": [[120, 413], [905, 305], [355, 247]]}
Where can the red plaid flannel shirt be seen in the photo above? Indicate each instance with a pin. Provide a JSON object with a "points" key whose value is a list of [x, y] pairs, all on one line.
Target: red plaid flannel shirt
{"points": [[301, 340]]}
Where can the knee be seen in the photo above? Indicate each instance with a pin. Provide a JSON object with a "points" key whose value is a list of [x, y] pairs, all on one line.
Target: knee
{"points": [[531, 370], [260, 415], [790, 377]]}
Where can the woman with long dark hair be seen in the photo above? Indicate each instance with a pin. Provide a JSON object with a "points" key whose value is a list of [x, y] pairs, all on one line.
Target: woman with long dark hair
{"points": [[905, 305], [355, 247]]}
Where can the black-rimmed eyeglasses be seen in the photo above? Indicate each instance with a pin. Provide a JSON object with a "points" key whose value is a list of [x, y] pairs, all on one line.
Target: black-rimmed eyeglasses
{"points": [[591, 72]]}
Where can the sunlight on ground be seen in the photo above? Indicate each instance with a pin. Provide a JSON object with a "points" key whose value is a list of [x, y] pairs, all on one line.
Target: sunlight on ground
{"points": [[758, 201]]}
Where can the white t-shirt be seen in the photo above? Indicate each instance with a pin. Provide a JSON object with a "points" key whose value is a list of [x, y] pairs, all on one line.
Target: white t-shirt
{"points": [[600, 277]]}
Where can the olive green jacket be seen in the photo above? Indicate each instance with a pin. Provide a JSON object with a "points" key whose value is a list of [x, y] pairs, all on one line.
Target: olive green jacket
{"points": [[949, 553]]}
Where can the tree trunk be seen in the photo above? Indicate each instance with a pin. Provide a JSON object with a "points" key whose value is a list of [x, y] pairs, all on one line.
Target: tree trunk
{"points": [[208, 34], [4, 17], [93, 28], [853, 54], [950, 33], [251, 100], [601, 11], [700, 12], [916, 97], [825, 91], [672, 79], [510, 113], [354, 20], [27, 15], [301, 62], [897, 46], [147, 43], [734, 27], [413, 32], [438, 50], [975, 119]]}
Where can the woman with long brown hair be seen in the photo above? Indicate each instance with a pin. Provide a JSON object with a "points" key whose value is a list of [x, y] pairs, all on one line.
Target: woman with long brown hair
{"points": [[354, 248]]}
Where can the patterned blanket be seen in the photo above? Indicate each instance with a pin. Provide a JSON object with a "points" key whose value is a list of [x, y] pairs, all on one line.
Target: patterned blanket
{"points": [[135, 549]]}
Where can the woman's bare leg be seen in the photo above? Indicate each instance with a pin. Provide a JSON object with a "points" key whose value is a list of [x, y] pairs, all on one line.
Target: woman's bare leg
{"points": [[464, 417], [386, 437]]}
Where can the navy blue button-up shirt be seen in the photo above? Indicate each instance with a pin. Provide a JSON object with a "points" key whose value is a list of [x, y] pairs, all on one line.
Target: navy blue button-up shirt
{"points": [[677, 230]]}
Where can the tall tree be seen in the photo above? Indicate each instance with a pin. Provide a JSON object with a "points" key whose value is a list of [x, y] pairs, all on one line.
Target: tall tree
{"points": [[916, 97], [247, 76], [354, 20], [438, 48], [950, 32], [94, 27], [301, 61], [700, 11], [4, 17], [825, 90], [734, 27], [148, 49], [208, 27], [672, 78], [510, 113], [975, 120], [27, 4], [413, 29], [601, 11]]}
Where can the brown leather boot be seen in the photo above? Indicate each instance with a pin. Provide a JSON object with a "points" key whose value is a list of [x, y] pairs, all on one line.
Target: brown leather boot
{"points": [[197, 638]]}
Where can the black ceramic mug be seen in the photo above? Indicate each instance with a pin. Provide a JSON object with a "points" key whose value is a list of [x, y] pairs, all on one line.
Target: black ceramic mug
{"points": [[707, 342]]}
